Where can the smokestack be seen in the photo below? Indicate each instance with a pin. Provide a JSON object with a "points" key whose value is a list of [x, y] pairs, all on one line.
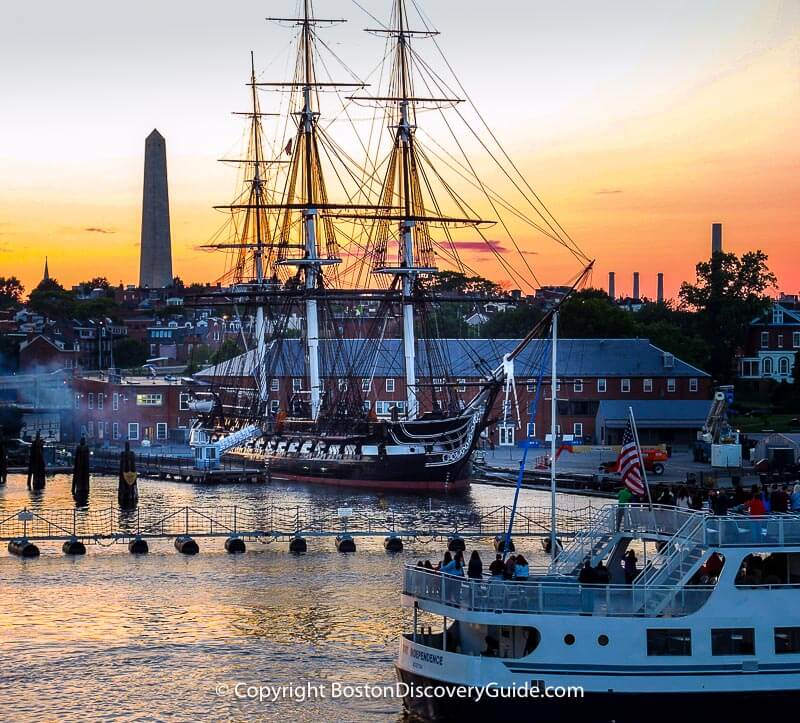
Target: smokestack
{"points": [[660, 287], [635, 284], [612, 287], [716, 238]]}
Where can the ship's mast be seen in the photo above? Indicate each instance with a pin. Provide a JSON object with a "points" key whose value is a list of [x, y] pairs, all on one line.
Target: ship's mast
{"points": [[408, 270], [311, 267]]}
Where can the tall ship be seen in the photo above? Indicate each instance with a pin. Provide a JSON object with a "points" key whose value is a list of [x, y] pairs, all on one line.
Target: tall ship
{"points": [[342, 246]]}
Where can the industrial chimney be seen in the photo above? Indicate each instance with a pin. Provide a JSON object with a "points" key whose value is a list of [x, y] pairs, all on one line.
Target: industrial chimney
{"points": [[636, 285], [660, 288], [612, 287], [716, 238]]}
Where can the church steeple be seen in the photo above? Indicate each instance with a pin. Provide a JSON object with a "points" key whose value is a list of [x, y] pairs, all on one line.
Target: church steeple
{"points": [[46, 276]]}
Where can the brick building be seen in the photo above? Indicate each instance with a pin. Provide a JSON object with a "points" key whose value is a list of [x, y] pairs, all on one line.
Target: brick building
{"points": [[598, 380], [773, 341], [111, 409]]}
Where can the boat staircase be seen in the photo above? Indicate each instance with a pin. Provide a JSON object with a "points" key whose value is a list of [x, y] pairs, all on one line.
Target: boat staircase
{"points": [[671, 568], [592, 543]]}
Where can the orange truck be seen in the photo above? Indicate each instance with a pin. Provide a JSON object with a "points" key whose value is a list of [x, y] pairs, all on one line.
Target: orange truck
{"points": [[654, 460]]}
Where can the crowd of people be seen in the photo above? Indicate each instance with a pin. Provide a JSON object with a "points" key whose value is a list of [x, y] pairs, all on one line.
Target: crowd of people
{"points": [[757, 501], [515, 567]]}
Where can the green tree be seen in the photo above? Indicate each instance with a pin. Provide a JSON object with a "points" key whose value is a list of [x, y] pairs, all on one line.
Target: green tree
{"points": [[728, 293], [98, 282], [590, 313], [512, 324], [11, 289], [129, 353], [50, 299], [457, 283], [227, 350]]}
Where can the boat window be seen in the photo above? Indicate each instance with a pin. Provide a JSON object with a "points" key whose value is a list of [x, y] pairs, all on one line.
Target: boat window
{"points": [[733, 641], [669, 641], [787, 640], [762, 569], [602, 640], [569, 639]]}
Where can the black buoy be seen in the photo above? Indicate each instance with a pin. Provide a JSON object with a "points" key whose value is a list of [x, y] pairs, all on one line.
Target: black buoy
{"points": [[298, 544], [455, 543], [345, 543], [235, 544], [393, 543], [23, 548], [186, 545], [138, 546], [500, 544], [73, 546]]}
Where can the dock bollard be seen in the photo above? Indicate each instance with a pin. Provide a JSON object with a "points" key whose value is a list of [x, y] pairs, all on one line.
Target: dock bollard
{"points": [[345, 543], [393, 543], [186, 545], [298, 544], [73, 546], [455, 543], [500, 544], [22, 547], [138, 546], [234, 544]]}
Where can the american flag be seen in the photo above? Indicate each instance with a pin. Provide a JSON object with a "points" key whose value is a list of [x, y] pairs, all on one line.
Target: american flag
{"points": [[628, 463]]}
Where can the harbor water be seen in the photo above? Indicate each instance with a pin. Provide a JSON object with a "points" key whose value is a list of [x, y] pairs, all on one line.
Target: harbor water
{"points": [[116, 637]]}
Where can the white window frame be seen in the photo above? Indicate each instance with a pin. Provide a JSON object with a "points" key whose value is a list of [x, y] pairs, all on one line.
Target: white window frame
{"points": [[796, 339], [693, 384], [150, 399], [577, 429], [366, 385], [462, 385], [577, 385], [780, 341], [768, 367], [90, 398], [115, 430], [783, 362], [625, 385], [274, 406], [275, 385], [505, 435], [531, 430], [647, 384], [77, 400], [389, 384], [90, 428], [133, 431], [115, 401], [161, 430], [765, 340], [602, 386], [297, 384], [530, 385], [100, 400], [183, 401], [672, 385]]}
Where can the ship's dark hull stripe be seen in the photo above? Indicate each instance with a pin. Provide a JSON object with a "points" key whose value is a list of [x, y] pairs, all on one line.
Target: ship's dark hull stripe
{"points": [[533, 668], [619, 707]]}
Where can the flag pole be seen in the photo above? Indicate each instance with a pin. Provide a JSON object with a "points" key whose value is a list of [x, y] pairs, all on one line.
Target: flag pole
{"points": [[641, 457], [553, 427]]}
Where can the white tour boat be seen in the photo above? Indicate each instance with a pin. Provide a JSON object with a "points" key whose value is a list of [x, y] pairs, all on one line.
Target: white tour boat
{"points": [[709, 627]]}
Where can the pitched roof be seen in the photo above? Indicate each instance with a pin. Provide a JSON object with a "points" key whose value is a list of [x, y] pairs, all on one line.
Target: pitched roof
{"points": [[471, 358]]}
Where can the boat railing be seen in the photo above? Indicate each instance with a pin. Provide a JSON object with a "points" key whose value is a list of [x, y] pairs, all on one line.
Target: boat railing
{"points": [[562, 597], [745, 531]]}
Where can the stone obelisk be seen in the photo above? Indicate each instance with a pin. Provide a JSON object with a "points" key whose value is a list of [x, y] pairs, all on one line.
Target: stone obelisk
{"points": [[155, 260]]}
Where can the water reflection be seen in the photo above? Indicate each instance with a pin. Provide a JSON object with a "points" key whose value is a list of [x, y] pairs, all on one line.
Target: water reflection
{"points": [[114, 636]]}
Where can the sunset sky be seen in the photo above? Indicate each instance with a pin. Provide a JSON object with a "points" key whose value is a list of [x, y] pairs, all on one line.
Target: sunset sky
{"points": [[639, 122]]}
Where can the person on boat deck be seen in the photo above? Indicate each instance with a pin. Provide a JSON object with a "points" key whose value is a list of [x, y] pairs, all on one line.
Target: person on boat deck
{"points": [[428, 565], [492, 647], [712, 567], [601, 574], [755, 506], [497, 568], [795, 498], [446, 560], [586, 575], [629, 563], [624, 497], [666, 498], [475, 567], [779, 500], [37, 468], [521, 570], [511, 564], [696, 500], [719, 502], [455, 566], [682, 501]]}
